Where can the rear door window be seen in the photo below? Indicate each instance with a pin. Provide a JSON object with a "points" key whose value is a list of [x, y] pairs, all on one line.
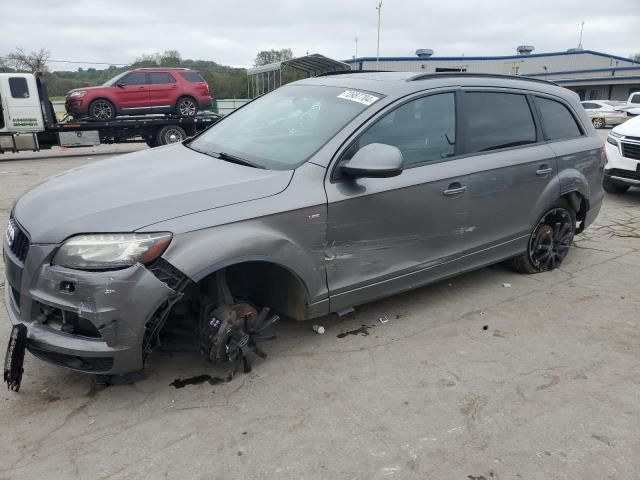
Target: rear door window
{"points": [[135, 79], [590, 106], [494, 120], [193, 77], [161, 77], [18, 87], [557, 121]]}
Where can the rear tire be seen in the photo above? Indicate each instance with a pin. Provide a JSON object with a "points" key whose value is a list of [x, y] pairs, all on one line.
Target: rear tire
{"points": [[549, 242], [598, 123], [186, 107], [612, 187], [102, 109], [170, 134]]}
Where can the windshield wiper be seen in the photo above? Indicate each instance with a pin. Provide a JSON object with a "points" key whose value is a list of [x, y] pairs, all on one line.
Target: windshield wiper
{"points": [[233, 159], [227, 157]]}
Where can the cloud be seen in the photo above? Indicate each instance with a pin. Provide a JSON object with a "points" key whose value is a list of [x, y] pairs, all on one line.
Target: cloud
{"points": [[233, 32]]}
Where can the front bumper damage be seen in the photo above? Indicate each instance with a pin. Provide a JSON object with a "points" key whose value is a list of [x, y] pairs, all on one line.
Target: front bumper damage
{"points": [[86, 321]]}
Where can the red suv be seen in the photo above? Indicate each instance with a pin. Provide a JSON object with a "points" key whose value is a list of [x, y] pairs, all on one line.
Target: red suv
{"points": [[143, 90]]}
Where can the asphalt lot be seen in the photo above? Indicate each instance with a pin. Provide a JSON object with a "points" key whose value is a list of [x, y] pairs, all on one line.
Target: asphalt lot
{"points": [[469, 379]]}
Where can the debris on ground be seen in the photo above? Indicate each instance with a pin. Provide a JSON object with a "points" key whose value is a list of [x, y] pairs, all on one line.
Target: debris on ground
{"points": [[506, 285], [485, 327], [199, 379], [319, 329], [363, 331], [383, 319]]}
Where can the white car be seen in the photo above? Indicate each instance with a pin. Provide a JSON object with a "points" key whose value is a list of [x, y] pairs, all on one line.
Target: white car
{"points": [[622, 149], [605, 112]]}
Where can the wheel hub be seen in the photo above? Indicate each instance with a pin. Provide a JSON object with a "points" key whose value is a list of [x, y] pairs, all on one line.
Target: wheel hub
{"points": [[551, 240]]}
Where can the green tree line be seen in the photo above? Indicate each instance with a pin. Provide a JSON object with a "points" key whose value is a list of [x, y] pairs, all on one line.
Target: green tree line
{"points": [[224, 81]]}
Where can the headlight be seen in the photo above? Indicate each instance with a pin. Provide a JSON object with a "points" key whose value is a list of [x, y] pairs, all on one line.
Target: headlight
{"points": [[110, 251], [79, 93], [612, 140]]}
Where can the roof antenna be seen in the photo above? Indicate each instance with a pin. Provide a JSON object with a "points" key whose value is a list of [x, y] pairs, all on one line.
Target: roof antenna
{"points": [[580, 41]]}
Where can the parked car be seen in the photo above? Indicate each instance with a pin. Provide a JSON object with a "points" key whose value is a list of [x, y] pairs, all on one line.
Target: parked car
{"points": [[623, 157], [141, 91], [322, 195], [605, 112]]}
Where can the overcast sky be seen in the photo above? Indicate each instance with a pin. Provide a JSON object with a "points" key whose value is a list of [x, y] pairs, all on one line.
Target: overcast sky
{"points": [[232, 32]]}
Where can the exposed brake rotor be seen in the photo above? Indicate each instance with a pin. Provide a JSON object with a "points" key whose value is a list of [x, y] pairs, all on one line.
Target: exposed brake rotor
{"points": [[232, 332]]}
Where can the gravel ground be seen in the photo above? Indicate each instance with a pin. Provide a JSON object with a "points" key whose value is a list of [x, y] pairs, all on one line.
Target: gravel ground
{"points": [[469, 379]]}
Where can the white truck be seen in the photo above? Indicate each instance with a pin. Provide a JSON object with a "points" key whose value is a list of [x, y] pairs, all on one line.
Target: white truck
{"points": [[28, 121]]}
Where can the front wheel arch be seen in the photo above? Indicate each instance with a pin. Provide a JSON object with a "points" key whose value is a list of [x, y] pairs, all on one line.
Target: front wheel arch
{"points": [[262, 281], [116, 111]]}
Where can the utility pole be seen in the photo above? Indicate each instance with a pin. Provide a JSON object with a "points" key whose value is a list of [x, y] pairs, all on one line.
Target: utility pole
{"points": [[356, 40], [379, 8], [580, 41]]}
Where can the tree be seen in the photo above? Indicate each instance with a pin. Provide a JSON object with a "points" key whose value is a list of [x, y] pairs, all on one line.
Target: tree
{"points": [[170, 58], [33, 62], [270, 56]]}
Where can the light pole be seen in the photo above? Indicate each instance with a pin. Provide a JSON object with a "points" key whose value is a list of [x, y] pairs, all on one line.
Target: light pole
{"points": [[580, 41], [356, 40], [379, 8]]}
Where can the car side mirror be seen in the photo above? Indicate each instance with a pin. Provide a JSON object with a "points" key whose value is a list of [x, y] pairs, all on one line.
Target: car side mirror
{"points": [[376, 160], [120, 84]]}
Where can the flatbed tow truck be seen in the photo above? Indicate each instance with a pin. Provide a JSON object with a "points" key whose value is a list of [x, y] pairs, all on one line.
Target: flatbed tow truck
{"points": [[28, 121]]}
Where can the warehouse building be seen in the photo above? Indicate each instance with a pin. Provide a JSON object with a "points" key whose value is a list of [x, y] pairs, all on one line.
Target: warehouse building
{"points": [[591, 74]]}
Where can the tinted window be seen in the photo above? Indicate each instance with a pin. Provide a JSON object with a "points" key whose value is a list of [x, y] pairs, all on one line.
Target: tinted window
{"points": [[134, 79], [590, 105], [18, 87], [161, 77], [424, 130], [192, 77], [635, 99], [557, 121], [496, 120]]}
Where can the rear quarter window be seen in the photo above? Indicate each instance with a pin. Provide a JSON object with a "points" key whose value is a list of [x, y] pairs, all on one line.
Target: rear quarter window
{"points": [[557, 121], [193, 77]]}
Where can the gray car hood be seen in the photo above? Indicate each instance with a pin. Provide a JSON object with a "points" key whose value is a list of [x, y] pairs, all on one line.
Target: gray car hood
{"points": [[131, 191]]}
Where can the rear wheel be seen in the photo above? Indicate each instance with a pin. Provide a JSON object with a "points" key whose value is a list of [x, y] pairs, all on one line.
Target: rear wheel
{"points": [[102, 109], [170, 134], [598, 122], [186, 107], [549, 242], [612, 187]]}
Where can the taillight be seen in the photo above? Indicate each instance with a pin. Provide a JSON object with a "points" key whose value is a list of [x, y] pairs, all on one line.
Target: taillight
{"points": [[603, 156]]}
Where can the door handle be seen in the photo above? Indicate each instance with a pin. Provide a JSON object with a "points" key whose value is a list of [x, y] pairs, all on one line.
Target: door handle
{"points": [[543, 171], [454, 190]]}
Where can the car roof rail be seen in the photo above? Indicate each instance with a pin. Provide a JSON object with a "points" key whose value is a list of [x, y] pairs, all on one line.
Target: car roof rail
{"points": [[428, 76], [344, 72], [161, 68]]}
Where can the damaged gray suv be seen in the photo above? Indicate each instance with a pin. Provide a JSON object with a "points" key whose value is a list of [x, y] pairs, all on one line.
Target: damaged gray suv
{"points": [[319, 196]]}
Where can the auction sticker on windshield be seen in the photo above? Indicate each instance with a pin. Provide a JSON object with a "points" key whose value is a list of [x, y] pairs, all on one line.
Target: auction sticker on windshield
{"points": [[360, 97]]}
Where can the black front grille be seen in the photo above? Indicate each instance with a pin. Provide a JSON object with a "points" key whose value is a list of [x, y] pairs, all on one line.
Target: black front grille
{"points": [[627, 137], [616, 172], [631, 150], [20, 244]]}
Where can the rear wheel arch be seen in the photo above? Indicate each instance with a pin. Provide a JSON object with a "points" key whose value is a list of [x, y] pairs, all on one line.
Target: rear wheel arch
{"points": [[186, 97]]}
